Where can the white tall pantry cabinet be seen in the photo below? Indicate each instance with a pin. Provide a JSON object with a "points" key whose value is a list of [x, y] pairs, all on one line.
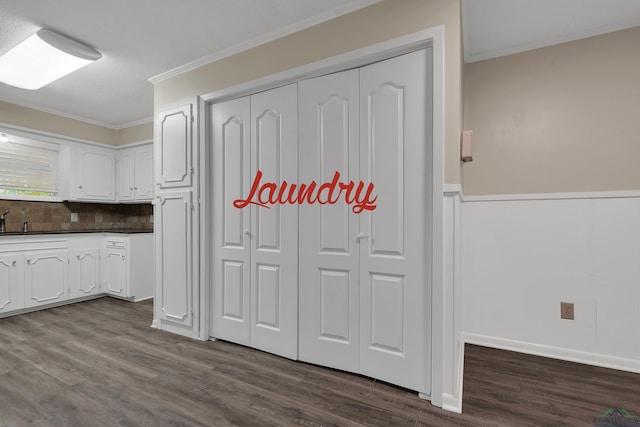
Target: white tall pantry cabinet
{"points": [[176, 221]]}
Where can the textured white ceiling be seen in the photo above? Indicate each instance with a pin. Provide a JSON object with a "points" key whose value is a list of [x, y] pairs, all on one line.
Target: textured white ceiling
{"points": [[493, 28], [140, 39], [143, 38]]}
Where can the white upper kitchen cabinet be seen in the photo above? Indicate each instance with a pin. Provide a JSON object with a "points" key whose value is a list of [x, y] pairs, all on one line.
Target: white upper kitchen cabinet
{"points": [[126, 175], [88, 173], [135, 174]]}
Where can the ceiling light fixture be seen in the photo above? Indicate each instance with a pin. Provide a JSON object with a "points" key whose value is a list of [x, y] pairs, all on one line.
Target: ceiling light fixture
{"points": [[3, 137], [42, 58]]}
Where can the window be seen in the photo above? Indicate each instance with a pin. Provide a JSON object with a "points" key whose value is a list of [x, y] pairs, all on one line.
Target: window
{"points": [[28, 169]]}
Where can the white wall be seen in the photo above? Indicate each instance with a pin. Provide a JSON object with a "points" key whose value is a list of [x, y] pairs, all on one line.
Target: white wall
{"points": [[520, 257]]}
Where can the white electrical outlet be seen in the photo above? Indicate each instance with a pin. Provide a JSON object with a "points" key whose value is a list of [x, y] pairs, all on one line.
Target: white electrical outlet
{"points": [[74, 217]]}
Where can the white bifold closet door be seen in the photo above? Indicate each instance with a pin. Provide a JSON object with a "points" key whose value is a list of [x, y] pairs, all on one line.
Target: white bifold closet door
{"points": [[255, 249], [365, 291], [329, 249]]}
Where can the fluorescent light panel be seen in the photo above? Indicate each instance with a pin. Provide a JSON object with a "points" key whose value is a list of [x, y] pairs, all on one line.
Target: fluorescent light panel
{"points": [[43, 58]]}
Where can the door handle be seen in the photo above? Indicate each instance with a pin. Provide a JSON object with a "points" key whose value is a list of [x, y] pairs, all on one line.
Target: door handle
{"points": [[361, 236], [247, 233]]}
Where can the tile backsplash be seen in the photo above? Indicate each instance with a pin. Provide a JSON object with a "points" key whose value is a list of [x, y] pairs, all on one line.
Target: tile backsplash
{"points": [[56, 216]]}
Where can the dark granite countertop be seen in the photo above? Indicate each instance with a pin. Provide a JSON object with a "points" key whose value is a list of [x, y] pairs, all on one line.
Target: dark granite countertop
{"points": [[35, 233]]}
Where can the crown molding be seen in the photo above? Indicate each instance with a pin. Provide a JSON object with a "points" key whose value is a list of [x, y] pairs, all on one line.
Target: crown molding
{"points": [[551, 41], [134, 123]]}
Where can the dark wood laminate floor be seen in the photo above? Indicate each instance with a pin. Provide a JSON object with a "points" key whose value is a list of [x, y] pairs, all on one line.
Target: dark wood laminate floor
{"points": [[98, 363]]}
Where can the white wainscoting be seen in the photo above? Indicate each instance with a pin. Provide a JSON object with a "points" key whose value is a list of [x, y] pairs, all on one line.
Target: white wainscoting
{"points": [[522, 255], [509, 262]]}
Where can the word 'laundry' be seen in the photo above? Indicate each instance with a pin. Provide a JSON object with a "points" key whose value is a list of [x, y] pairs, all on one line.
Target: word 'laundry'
{"points": [[268, 193]]}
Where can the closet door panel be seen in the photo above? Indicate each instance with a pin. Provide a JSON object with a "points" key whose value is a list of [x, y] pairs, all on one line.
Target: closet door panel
{"points": [[329, 275], [274, 250], [395, 287], [231, 176], [385, 161], [268, 152]]}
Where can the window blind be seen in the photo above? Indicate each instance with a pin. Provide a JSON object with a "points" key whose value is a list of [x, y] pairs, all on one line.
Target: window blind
{"points": [[28, 169]]}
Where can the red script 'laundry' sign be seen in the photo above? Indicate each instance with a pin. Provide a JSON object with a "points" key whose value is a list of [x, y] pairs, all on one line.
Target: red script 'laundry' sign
{"points": [[268, 193]]}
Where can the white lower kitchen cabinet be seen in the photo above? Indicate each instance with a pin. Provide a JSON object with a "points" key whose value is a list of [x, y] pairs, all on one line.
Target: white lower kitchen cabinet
{"points": [[127, 266], [44, 270], [11, 282], [85, 272], [114, 270], [46, 277]]}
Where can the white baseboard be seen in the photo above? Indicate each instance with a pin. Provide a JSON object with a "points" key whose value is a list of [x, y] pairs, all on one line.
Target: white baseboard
{"points": [[451, 403]]}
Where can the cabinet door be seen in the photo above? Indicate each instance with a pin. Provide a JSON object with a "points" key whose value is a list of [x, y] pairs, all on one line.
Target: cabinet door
{"points": [[174, 263], [173, 147], [46, 277], [115, 272], [11, 282], [126, 175], [85, 270], [94, 174], [144, 173]]}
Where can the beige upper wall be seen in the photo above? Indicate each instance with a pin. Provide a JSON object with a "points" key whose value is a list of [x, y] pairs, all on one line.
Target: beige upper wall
{"points": [[382, 21], [558, 119], [47, 122], [137, 133]]}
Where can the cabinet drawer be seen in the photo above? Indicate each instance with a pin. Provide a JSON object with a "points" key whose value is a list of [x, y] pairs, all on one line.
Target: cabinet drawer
{"points": [[33, 245], [116, 243]]}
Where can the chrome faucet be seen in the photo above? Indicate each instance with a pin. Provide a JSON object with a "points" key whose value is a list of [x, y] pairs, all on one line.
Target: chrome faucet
{"points": [[3, 227]]}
